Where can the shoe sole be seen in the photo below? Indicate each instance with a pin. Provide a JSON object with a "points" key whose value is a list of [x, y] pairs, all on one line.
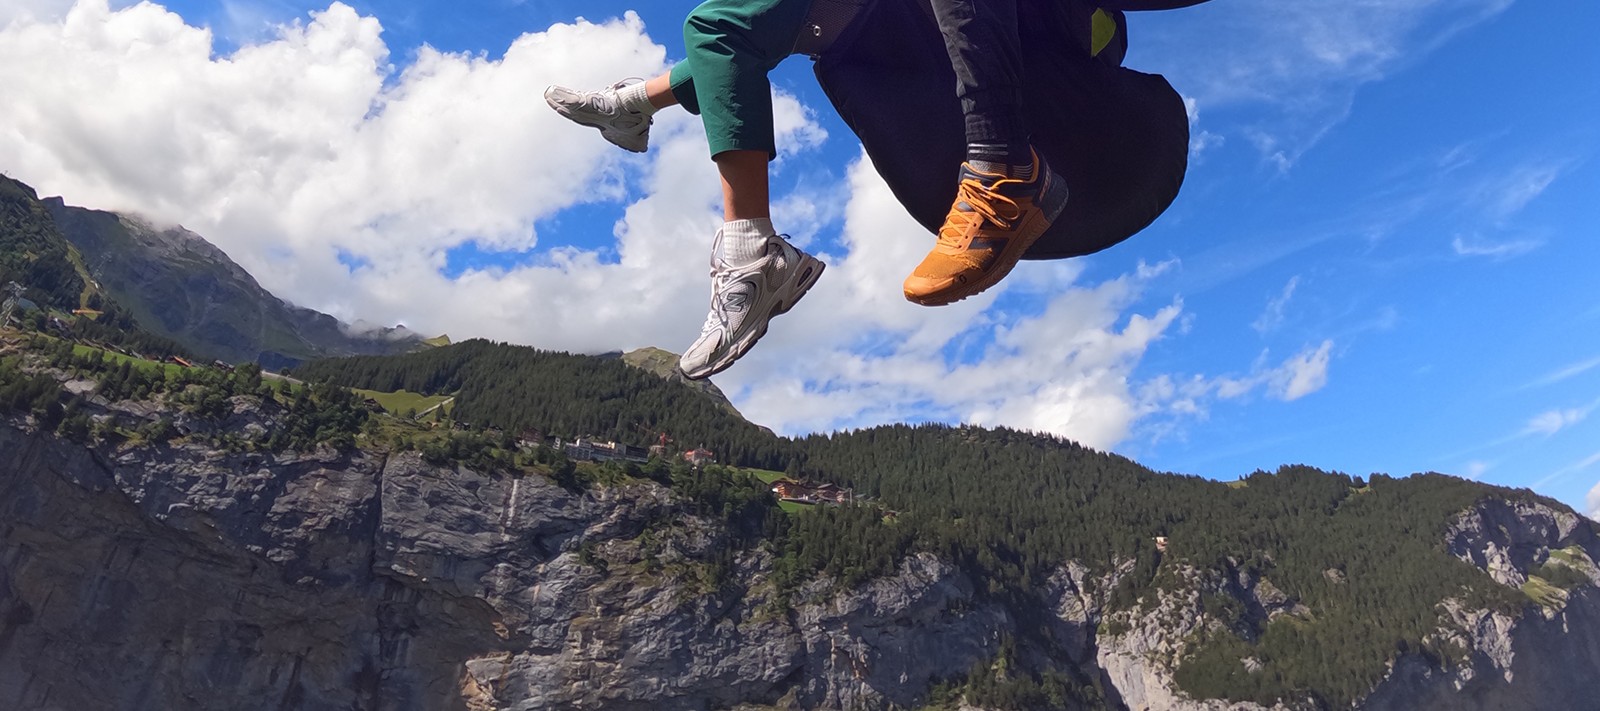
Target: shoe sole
{"points": [[743, 345], [1008, 261], [605, 131]]}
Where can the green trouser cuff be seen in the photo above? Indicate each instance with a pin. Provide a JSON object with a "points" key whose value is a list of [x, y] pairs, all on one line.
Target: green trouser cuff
{"points": [[732, 44]]}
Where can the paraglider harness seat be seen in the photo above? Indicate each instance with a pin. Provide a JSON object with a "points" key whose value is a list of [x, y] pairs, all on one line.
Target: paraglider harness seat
{"points": [[1119, 137]]}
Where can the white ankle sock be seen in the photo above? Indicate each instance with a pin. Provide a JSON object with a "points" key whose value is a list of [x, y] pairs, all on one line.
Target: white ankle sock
{"points": [[744, 241], [635, 99]]}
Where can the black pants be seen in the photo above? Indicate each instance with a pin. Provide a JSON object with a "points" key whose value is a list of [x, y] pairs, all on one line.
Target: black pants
{"points": [[984, 44]]}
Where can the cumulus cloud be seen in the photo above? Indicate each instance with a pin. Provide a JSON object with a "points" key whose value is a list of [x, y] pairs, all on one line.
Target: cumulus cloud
{"points": [[31, 10], [292, 152]]}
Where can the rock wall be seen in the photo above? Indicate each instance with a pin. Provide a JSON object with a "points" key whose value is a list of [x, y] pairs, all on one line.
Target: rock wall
{"points": [[1545, 658], [182, 578], [165, 580], [186, 579]]}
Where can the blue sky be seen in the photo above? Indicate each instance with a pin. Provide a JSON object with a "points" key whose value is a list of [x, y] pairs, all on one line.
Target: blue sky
{"points": [[1383, 259]]}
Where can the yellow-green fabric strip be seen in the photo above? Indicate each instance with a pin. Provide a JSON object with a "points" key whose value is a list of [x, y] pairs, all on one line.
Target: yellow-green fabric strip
{"points": [[1104, 30]]}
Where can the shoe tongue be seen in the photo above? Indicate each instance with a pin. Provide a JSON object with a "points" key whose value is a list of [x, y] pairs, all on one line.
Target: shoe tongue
{"points": [[987, 180], [968, 172]]}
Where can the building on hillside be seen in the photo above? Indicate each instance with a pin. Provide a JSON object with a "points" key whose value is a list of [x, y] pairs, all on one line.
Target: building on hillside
{"points": [[585, 449], [530, 439], [699, 457], [1161, 544], [180, 361], [811, 493], [789, 490], [372, 404], [833, 494]]}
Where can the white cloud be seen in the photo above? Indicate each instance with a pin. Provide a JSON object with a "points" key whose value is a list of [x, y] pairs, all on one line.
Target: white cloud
{"points": [[1476, 469], [288, 152], [1303, 374], [307, 151], [1273, 316], [31, 10], [1200, 140], [1549, 423], [1493, 250], [1593, 503], [1508, 194], [1298, 376]]}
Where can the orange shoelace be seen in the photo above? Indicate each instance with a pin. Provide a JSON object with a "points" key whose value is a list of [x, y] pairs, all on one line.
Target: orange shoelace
{"points": [[987, 206]]}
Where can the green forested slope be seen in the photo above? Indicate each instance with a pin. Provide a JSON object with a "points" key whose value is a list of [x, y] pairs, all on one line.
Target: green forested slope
{"points": [[1365, 559], [35, 254], [1012, 505], [515, 387], [32, 251]]}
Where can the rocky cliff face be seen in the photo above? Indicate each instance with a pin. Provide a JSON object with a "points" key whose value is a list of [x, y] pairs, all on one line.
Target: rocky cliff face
{"points": [[178, 577], [183, 578], [1543, 659]]}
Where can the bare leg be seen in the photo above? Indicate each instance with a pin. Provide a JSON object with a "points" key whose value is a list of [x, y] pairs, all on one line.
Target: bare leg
{"points": [[757, 275], [659, 91], [744, 184]]}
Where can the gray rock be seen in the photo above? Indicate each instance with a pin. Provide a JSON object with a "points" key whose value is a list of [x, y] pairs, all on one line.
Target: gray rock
{"points": [[176, 577]]}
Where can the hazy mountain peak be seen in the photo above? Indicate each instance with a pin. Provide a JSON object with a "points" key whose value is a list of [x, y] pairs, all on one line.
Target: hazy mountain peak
{"points": [[181, 286]]}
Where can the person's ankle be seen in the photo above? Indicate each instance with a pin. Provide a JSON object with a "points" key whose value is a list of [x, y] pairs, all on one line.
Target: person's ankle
{"points": [[745, 241], [635, 99], [1012, 159]]}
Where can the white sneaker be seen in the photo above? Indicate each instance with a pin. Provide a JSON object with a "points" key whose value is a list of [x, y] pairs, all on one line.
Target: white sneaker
{"points": [[743, 300], [603, 110]]}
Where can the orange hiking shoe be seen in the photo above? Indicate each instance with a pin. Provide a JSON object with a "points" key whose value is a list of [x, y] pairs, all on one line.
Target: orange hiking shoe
{"points": [[994, 221]]}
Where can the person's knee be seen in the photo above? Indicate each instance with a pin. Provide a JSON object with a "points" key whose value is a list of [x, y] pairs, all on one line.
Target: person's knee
{"points": [[703, 27], [715, 24]]}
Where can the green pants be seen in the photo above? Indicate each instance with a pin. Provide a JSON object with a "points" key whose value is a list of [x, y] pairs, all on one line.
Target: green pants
{"points": [[732, 44]]}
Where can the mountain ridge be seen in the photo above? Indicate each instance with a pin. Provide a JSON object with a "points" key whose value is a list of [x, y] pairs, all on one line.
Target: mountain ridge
{"points": [[180, 286], [664, 363]]}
